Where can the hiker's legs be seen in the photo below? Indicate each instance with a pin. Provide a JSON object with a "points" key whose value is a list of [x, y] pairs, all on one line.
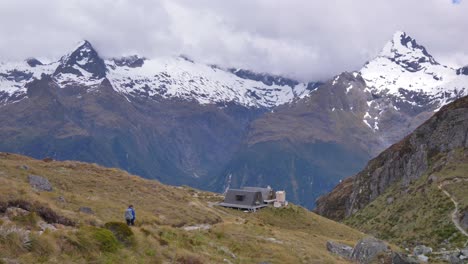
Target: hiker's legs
{"points": [[132, 222], [129, 222]]}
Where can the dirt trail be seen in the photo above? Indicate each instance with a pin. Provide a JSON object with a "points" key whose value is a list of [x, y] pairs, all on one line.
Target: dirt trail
{"points": [[455, 211]]}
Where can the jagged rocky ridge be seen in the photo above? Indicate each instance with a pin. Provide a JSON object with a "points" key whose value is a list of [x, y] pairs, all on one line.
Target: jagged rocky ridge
{"points": [[168, 77]]}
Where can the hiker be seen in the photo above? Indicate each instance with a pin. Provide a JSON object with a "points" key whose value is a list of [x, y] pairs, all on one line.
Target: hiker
{"points": [[130, 215]]}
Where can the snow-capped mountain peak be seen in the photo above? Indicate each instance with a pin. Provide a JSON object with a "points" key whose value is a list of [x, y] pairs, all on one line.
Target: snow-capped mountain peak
{"points": [[153, 79], [83, 58], [405, 75], [406, 52], [82, 65], [405, 64]]}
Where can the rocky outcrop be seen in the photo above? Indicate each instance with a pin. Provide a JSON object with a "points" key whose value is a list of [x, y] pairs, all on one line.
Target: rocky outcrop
{"points": [[339, 249], [333, 204], [367, 249], [403, 162], [40, 183]]}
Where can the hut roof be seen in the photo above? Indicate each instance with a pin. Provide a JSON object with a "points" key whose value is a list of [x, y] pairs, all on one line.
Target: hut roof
{"points": [[243, 199], [267, 193]]}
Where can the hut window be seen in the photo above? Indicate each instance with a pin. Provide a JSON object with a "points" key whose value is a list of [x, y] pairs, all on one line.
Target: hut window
{"points": [[239, 197]]}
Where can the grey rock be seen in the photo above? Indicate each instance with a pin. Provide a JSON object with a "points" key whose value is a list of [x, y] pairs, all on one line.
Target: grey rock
{"points": [[464, 220], [86, 210], [61, 199], [390, 200], [432, 178], [455, 259], [464, 252], [339, 249], [398, 258], [24, 167], [40, 183], [423, 258], [422, 250], [367, 249]]}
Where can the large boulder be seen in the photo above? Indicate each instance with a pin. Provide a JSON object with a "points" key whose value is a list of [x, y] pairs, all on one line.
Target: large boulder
{"points": [[339, 249], [40, 183], [367, 249]]}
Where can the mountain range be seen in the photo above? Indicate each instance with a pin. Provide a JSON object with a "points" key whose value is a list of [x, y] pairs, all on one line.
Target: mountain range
{"points": [[215, 127]]}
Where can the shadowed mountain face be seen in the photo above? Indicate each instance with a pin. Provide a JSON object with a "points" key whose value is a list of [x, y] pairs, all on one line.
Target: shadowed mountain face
{"points": [[403, 163], [173, 140], [187, 123], [414, 192]]}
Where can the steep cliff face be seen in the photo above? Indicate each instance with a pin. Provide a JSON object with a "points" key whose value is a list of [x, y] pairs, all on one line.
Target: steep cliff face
{"points": [[401, 164]]}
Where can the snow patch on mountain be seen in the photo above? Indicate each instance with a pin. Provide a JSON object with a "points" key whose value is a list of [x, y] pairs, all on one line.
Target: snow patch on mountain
{"points": [[15, 75], [170, 77], [181, 78]]}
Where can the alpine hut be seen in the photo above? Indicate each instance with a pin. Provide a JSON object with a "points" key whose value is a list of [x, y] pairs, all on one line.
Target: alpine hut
{"points": [[243, 199]]}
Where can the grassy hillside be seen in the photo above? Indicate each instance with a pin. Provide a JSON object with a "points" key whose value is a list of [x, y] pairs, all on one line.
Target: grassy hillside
{"points": [[287, 235], [421, 212]]}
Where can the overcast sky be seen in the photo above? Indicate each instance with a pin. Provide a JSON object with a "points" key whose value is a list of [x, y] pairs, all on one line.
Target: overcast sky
{"points": [[304, 39]]}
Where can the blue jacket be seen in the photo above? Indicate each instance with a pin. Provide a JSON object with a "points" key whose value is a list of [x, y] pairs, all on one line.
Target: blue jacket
{"points": [[133, 213]]}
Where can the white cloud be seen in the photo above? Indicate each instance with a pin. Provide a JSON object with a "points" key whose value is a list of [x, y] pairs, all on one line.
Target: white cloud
{"points": [[304, 39]]}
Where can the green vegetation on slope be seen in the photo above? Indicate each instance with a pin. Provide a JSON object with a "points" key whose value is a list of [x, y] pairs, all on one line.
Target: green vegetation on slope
{"points": [[287, 235], [420, 212]]}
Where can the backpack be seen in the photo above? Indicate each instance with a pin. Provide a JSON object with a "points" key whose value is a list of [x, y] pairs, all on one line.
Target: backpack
{"points": [[128, 214]]}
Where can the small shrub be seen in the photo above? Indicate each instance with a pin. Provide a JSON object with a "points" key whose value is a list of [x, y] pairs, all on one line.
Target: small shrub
{"points": [[150, 252], [47, 159], [42, 246], [3, 207], [163, 242], [92, 238], [106, 239], [145, 231], [179, 224], [122, 232], [219, 234], [16, 240], [189, 259], [29, 220]]}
